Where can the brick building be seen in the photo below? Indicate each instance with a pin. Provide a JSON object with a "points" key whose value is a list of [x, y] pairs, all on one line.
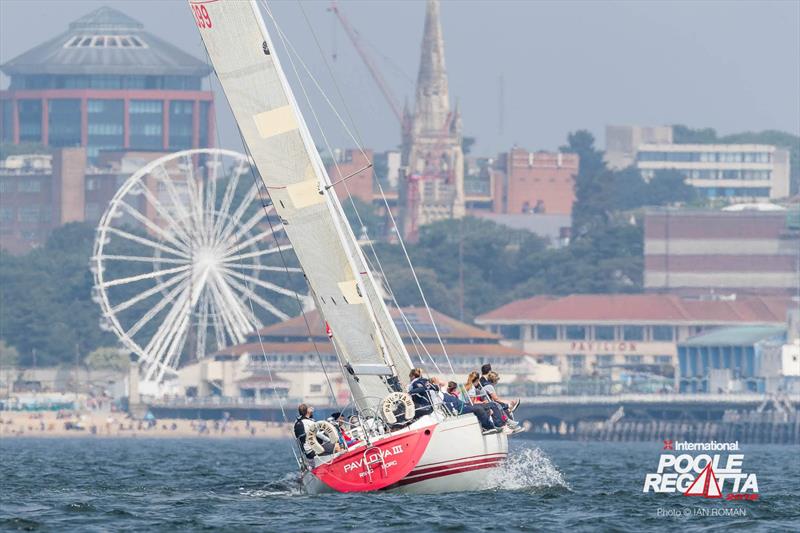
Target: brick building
{"points": [[39, 193], [107, 84], [699, 251], [534, 182]]}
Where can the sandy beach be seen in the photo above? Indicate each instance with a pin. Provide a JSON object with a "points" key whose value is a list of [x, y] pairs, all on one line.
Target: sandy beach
{"points": [[118, 425]]}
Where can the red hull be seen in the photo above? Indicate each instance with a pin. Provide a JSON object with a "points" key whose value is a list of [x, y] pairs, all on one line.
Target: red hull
{"points": [[384, 463]]}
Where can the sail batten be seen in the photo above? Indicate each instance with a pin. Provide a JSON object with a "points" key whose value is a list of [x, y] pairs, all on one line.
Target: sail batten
{"points": [[285, 158]]}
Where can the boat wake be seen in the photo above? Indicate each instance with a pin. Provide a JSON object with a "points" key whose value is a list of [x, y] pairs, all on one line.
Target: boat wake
{"points": [[288, 485], [527, 469]]}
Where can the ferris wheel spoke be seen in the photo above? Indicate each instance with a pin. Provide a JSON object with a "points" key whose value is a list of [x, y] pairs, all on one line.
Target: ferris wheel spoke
{"points": [[244, 229], [227, 306], [247, 292], [195, 189], [172, 192], [153, 226], [163, 212], [202, 327], [264, 268], [175, 346], [158, 342], [153, 311], [252, 240], [147, 242], [148, 275], [227, 197], [148, 293], [257, 253], [230, 224], [261, 283], [141, 259], [245, 321]]}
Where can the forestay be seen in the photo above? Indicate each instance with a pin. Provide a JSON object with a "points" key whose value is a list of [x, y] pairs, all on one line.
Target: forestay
{"points": [[286, 159]]}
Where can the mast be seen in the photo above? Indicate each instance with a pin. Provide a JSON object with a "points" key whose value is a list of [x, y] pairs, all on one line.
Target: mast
{"points": [[286, 160]]}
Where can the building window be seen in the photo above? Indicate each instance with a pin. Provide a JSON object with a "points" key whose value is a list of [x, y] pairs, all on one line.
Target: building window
{"points": [[6, 215], [29, 214], [548, 359], [663, 359], [30, 185], [633, 359], [576, 333], [633, 333], [315, 388], [7, 186], [604, 333], [7, 122], [576, 363], [30, 120], [106, 118], [663, 333], [181, 114], [92, 211], [64, 122], [510, 332], [146, 123], [204, 110], [546, 332], [605, 360]]}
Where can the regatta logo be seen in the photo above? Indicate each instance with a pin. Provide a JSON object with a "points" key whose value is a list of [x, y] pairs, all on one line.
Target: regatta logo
{"points": [[702, 475], [377, 458]]}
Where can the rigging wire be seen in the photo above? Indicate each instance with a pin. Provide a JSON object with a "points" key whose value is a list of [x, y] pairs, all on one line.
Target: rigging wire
{"points": [[359, 144], [356, 138], [289, 48], [283, 260]]}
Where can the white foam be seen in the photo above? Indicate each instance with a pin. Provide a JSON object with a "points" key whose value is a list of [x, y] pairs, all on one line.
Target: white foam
{"points": [[525, 469]]}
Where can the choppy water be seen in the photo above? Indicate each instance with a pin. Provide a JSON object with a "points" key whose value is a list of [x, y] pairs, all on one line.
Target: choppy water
{"points": [[167, 485]]}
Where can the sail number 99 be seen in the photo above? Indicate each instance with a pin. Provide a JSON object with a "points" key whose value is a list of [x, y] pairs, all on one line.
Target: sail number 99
{"points": [[201, 16]]}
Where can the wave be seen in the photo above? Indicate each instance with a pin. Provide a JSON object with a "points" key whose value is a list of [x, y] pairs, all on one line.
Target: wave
{"points": [[527, 469]]}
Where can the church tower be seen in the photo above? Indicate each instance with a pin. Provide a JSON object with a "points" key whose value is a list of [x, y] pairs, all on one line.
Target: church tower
{"points": [[432, 186]]}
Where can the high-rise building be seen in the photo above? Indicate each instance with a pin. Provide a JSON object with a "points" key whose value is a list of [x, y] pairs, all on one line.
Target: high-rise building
{"points": [[432, 185], [107, 84], [535, 182]]}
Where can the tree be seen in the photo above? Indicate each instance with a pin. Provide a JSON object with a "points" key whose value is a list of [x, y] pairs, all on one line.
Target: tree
{"points": [[106, 358], [593, 185], [669, 187]]}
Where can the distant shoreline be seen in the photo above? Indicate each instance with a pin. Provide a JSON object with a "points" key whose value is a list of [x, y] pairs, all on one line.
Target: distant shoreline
{"points": [[109, 425]]}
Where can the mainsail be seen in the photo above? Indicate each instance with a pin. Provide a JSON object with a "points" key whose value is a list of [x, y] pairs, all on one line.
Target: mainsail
{"points": [[285, 158]]}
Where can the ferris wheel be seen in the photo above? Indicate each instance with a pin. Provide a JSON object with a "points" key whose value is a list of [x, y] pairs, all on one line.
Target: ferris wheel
{"points": [[188, 259]]}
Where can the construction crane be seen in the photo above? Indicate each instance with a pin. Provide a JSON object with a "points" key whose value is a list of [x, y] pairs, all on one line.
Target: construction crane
{"points": [[352, 34]]}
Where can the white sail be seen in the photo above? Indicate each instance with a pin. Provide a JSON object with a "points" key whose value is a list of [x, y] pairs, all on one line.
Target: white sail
{"points": [[287, 161]]}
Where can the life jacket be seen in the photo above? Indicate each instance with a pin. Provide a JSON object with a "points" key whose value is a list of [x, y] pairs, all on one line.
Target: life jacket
{"points": [[299, 430]]}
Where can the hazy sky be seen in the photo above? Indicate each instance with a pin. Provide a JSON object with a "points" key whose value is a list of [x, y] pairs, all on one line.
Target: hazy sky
{"points": [[566, 65]]}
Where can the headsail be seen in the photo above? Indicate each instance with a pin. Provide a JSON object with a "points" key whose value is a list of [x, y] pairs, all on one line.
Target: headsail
{"points": [[287, 161]]}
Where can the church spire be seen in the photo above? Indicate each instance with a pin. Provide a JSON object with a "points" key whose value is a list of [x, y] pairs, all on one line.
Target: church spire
{"points": [[433, 98]]}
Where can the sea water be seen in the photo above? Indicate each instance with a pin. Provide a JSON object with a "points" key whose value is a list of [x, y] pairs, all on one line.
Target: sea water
{"points": [[242, 484]]}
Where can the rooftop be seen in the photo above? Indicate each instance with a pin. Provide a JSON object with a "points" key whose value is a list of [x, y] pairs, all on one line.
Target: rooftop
{"points": [[106, 41], [640, 308], [736, 336]]}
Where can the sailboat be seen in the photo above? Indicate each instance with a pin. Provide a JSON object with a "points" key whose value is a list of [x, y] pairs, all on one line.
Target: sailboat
{"points": [[438, 452]]}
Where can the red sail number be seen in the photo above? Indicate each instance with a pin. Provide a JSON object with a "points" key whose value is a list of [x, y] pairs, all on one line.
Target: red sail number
{"points": [[201, 16]]}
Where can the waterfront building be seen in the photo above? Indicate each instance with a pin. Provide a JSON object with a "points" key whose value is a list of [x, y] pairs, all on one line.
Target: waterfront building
{"points": [[704, 251], [605, 334], [737, 359], [293, 351], [107, 84]]}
